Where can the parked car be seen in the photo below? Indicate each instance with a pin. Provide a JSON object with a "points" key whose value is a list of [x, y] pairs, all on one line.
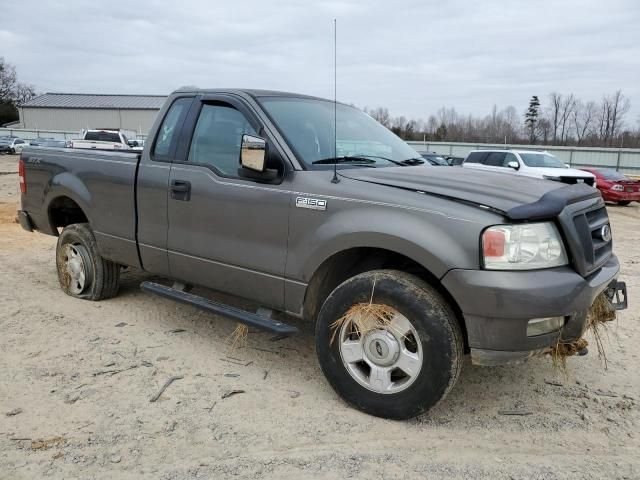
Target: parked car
{"points": [[615, 187], [527, 163], [435, 159], [454, 161], [242, 191], [50, 142], [11, 145], [104, 139], [37, 142]]}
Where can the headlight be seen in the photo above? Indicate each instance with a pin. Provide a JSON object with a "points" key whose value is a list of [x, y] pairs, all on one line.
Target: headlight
{"points": [[617, 188], [526, 246], [551, 177]]}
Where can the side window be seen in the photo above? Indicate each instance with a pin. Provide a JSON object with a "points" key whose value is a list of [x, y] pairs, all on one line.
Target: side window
{"points": [[475, 157], [167, 133], [509, 157], [494, 159], [217, 137]]}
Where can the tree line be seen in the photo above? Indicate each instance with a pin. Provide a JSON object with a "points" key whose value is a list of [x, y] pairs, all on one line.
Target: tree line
{"points": [[560, 119], [12, 92]]}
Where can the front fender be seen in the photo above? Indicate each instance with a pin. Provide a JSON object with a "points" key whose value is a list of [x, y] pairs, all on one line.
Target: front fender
{"points": [[437, 242]]}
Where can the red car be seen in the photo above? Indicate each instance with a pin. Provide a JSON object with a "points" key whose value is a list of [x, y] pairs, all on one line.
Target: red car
{"points": [[616, 187]]}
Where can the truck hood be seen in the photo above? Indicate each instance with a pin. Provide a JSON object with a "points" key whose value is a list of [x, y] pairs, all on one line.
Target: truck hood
{"points": [[558, 172], [516, 196]]}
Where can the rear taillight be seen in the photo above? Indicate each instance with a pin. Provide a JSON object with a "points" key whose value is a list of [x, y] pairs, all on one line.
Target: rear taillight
{"points": [[23, 181]]}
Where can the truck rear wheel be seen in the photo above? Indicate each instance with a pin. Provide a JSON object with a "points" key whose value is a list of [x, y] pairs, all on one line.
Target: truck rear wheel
{"points": [[400, 366], [82, 272]]}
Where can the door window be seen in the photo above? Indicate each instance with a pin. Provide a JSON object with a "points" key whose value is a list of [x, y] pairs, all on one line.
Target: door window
{"points": [[475, 157], [167, 135], [494, 159], [217, 138]]}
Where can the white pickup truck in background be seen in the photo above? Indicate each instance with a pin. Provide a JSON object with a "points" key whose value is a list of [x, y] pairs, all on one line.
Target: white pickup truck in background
{"points": [[104, 139]]}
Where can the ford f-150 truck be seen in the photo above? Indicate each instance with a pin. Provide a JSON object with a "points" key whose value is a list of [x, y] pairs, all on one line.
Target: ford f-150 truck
{"points": [[265, 196]]}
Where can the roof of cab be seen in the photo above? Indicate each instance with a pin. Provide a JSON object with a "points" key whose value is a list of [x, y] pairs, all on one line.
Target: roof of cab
{"points": [[248, 91]]}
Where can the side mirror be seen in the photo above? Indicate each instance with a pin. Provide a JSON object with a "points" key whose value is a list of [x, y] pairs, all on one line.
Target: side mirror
{"points": [[253, 153], [513, 164], [253, 160]]}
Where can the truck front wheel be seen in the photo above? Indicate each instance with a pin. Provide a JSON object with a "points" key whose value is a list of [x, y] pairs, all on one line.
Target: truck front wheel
{"points": [[389, 344], [82, 272]]}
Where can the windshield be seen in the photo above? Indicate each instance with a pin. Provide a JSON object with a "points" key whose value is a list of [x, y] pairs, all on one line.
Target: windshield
{"points": [[541, 160], [612, 175], [308, 126]]}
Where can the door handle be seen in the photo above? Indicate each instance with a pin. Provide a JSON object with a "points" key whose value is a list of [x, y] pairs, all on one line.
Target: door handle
{"points": [[180, 190]]}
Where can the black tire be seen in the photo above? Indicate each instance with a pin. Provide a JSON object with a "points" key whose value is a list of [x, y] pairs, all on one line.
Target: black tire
{"points": [[435, 323], [102, 277], [12, 151], [624, 203]]}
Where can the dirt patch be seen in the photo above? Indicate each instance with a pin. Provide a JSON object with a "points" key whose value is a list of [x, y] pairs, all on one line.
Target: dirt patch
{"points": [[8, 212]]}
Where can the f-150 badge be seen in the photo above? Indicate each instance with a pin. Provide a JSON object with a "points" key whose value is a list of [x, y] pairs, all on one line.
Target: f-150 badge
{"points": [[312, 203]]}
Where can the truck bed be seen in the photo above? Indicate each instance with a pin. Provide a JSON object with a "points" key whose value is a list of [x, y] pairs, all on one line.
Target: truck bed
{"points": [[101, 183]]}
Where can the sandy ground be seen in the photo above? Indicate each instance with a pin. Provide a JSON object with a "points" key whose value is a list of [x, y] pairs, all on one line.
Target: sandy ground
{"points": [[76, 378]]}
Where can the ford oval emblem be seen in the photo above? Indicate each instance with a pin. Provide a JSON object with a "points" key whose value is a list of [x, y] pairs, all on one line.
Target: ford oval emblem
{"points": [[605, 233]]}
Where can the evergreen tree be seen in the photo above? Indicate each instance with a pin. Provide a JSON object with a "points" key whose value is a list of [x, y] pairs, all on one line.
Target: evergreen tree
{"points": [[531, 118]]}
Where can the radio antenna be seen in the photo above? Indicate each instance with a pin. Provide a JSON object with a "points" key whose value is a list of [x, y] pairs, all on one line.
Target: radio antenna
{"points": [[335, 178]]}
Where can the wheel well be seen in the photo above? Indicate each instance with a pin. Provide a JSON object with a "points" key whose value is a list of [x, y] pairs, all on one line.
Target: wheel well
{"points": [[348, 263], [64, 211]]}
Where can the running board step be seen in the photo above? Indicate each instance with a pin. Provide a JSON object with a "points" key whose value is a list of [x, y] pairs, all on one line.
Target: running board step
{"points": [[242, 316]]}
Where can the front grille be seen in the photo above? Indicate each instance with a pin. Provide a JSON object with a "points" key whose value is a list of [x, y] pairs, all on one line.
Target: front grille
{"points": [[596, 246], [572, 180]]}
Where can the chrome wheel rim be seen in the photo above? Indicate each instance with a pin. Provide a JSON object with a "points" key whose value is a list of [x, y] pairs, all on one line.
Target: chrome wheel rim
{"points": [[74, 268], [386, 360]]}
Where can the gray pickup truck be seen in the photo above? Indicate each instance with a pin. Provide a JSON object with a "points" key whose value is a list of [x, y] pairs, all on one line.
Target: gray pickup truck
{"points": [[327, 216]]}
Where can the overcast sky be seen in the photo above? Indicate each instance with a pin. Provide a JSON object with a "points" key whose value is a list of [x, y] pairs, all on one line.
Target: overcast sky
{"points": [[412, 57]]}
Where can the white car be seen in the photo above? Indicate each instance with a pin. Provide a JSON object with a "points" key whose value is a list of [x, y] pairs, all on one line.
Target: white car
{"points": [[529, 163], [12, 145], [103, 140]]}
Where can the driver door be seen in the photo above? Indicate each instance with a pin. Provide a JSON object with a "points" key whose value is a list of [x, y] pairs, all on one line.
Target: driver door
{"points": [[225, 232]]}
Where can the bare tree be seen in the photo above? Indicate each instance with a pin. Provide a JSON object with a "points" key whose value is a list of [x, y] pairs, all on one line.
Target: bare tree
{"points": [[24, 93], [584, 116], [567, 107], [382, 115], [554, 114], [620, 105], [8, 81]]}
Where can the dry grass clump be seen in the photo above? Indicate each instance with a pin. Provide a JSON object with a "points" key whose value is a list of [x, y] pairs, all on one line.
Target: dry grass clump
{"points": [[600, 313], [238, 338], [364, 318]]}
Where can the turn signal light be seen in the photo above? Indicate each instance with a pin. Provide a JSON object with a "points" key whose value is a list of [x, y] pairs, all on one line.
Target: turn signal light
{"points": [[493, 243]]}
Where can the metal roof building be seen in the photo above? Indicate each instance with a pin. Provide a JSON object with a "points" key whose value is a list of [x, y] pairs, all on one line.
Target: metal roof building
{"points": [[76, 111]]}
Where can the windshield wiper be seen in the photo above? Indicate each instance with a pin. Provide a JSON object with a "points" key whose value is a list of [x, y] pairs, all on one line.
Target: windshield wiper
{"points": [[356, 159], [412, 161]]}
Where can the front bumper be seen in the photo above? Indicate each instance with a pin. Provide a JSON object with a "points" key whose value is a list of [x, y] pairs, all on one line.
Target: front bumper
{"points": [[497, 306]]}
